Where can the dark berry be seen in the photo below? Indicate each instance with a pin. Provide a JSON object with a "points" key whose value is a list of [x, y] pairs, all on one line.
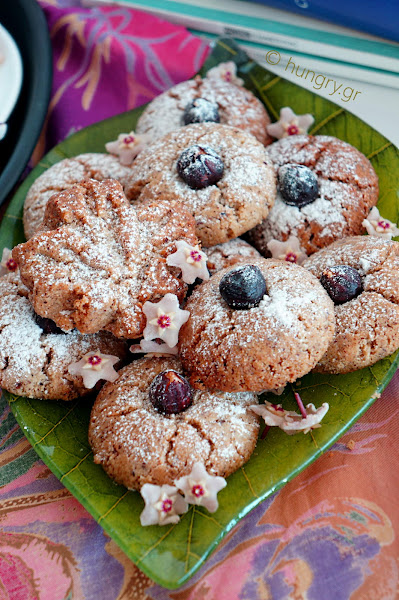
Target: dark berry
{"points": [[298, 185], [47, 325], [200, 166], [342, 283], [243, 287], [201, 110], [170, 393]]}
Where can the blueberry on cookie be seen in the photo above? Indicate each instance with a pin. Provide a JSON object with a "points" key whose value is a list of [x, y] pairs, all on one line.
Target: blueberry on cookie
{"points": [[255, 327], [221, 174], [149, 426], [361, 274], [326, 188]]}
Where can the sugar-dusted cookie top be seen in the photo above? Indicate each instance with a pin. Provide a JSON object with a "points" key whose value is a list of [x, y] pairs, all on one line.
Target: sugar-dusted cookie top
{"points": [[366, 286], [221, 174], [255, 326], [325, 199], [136, 443], [225, 103], [95, 262], [229, 254], [35, 354], [63, 175]]}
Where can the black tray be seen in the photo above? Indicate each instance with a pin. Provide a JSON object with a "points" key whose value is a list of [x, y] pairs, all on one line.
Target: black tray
{"points": [[26, 23]]}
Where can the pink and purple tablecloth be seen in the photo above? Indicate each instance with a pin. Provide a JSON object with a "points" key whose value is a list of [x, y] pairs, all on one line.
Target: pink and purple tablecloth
{"points": [[330, 534]]}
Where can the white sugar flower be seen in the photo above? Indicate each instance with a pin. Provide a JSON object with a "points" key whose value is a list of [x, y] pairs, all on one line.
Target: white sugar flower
{"points": [[289, 250], [163, 505], [226, 71], [152, 347], [290, 421], [201, 488], [191, 260], [164, 319], [7, 264], [289, 124], [127, 147], [93, 367], [377, 225]]}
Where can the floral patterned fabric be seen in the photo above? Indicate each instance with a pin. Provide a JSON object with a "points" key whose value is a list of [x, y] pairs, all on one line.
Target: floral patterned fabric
{"points": [[110, 59], [330, 534]]}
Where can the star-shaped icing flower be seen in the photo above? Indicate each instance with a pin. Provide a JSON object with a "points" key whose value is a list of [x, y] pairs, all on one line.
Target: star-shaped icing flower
{"points": [[377, 225], [127, 147], [164, 319], [163, 504], [201, 488], [152, 347], [3, 130], [289, 421], [191, 260], [289, 250], [94, 366], [289, 124], [7, 264], [226, 71]]}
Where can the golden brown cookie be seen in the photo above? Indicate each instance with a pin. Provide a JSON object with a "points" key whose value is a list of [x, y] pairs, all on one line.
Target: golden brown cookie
{"points": [[34, 362], [229, 254], [348, 188], [137, 444], [95, 263], [367, 326], [62, 176], [222, 210], [236, 106], [259, 348]]}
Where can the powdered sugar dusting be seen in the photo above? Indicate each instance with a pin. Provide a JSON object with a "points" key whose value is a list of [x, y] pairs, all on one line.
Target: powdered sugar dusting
{"points": [[63, 175], [237, 106], [228, 208], [217, 429], [366, 254], [294, 319], [103, 257], [33, 363], [348, 187], [229, 253]]}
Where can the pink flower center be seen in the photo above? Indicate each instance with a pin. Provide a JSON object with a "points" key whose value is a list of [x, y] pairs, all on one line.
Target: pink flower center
{"points": [[291, 257], [129, 139], [94, 360], [277, 407], [11, 264], [197, 491], [167, 505], [164, 321], [196, 256], [292, 129], [383, 224], [227, 76]]}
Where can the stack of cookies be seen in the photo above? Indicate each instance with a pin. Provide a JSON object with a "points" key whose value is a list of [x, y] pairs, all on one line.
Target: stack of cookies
{"points": [[143, 244]]}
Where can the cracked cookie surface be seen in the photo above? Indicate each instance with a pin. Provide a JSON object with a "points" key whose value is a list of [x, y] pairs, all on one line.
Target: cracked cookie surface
{"points": [[348, 189], [222, 211], [367, 327], [135, 444], [64, 175], [260, 348], [34, 363], [96, 261], [237, 107]]}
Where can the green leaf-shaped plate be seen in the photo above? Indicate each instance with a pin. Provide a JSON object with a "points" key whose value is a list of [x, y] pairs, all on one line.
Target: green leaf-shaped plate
{"points": [[58, 431]]}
